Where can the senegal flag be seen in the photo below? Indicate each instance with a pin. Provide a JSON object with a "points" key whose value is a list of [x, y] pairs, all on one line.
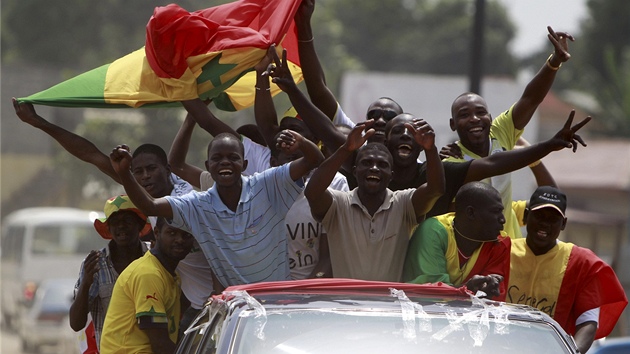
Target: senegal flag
{"points": [[209, 53]]}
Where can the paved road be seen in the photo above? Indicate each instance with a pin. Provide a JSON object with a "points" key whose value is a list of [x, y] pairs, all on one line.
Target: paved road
{"points": [[9, 342]]}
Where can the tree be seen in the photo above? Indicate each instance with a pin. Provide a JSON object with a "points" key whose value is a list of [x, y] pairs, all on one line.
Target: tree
{"points": [[77, 35], [421, 36], [600, 65]]}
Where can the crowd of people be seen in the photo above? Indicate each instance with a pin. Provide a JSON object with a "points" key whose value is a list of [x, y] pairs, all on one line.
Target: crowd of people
{"points": [[316, 195]]}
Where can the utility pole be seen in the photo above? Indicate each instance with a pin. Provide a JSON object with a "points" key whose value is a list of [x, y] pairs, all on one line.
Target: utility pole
{"points": [[476, 63]]}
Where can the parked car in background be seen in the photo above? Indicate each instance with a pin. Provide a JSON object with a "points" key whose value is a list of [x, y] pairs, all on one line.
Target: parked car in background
{"points": [[333, 316], [619, 345], [40, 243], [44, 320]]}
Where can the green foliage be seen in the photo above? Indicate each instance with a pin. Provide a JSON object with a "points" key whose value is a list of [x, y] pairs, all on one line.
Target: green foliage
{"points": [[600, 64], [421, 36], [78, 35]]}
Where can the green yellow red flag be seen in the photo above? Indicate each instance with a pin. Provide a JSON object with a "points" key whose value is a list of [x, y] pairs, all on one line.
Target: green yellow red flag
{"points": [[210, 53]]}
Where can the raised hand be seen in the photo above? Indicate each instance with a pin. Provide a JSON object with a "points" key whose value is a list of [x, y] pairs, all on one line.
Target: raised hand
{"points": [[289, 141], [422, 132], [120, 158], [90, 267], [280, 72], [263, 66], [359, 135], [451, 150], [305, 11], [26, 112], [566, 137], [560, 44]]}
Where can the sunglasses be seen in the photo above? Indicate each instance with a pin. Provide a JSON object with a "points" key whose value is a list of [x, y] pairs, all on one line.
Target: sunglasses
{"points": [[385, 113]]}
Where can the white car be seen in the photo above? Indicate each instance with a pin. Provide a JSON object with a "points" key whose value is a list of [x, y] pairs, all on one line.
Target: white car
{"points": [[335, 316], [41, 243], [44, 321]]}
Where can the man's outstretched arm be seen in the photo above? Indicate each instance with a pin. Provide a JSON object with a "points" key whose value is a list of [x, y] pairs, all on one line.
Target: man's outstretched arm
{"points": [[76, 145], [178, 152], [508, 161], [539, 86], [314, 78]]}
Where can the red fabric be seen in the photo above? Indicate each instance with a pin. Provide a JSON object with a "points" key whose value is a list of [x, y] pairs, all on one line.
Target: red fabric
{"points": [[494, 258], [350, 285], [90, 337], [174, 34], [589, 283]]}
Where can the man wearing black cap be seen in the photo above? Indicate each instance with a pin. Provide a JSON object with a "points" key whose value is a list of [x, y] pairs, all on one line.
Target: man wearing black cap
{"points": [[570, 283]]}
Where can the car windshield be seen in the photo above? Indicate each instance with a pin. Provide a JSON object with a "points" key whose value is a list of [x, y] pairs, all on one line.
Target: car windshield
{"points": [[374, 331], [65, 239]]}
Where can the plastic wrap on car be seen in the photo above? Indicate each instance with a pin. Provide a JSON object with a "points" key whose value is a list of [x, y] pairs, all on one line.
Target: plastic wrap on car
{"points": [[259, 312], [476, 321], [410, 312]]}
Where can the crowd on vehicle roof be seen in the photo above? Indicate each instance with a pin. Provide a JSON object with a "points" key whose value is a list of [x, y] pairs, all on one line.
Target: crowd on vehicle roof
{"points": [[316, 195]]}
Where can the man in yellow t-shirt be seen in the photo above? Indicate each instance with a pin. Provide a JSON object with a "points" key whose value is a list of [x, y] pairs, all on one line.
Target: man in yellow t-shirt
{"points": [[480, 136], [144, 311]]}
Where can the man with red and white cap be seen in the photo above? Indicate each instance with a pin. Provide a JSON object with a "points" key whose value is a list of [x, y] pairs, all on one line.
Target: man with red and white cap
{"points": [[570, 283], [123, 225]]}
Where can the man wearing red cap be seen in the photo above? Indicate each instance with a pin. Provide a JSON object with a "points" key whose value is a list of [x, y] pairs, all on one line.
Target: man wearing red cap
{"points": [[123, 224], [570, 283]]}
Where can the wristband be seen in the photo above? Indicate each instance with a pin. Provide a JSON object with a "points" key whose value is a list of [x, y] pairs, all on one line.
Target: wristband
{"points": [[258, 88], [534, 164], [554, 68]]}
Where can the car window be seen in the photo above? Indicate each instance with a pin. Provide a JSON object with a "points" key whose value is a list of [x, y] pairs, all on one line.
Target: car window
{"points": [[211, 338], [65, 239], [205, 336], [57, 298], [333, 332], [12, 243]]}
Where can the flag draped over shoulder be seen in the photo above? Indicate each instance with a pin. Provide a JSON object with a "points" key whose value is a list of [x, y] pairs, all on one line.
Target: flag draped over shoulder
{"points": [[209, 53]]}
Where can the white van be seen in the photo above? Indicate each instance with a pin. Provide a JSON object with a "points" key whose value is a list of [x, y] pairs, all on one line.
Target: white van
{"points": [[42, 243]]}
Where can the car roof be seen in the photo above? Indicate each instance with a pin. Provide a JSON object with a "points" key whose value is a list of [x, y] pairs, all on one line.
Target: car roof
{"points": [[272, 303], [37, 215], [335, 293]]}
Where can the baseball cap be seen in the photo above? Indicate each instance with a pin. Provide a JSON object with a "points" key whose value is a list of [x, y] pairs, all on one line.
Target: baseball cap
{"points": [[548, 197], [113, 205]]}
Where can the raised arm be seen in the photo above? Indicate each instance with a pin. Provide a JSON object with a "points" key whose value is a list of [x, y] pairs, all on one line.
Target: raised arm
{"points": [[315, 119], [538, 87], [508, 161], [290, 142], [76, 145], [121, 161], [427, 194], [541, 173], [264, 110], [316, 191], [200, 112], [178, 152], [312, 70], [80, 308]]}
